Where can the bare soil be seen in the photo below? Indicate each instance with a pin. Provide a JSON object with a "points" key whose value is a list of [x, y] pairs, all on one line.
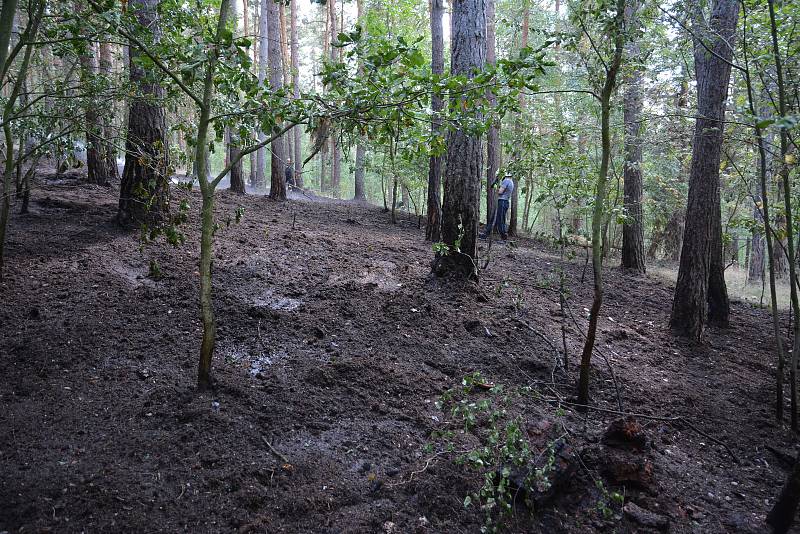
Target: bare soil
{"points": [[334, 343]]}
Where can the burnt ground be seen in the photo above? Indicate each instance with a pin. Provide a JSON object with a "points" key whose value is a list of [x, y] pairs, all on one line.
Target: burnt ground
{"points": [[333, 345]]}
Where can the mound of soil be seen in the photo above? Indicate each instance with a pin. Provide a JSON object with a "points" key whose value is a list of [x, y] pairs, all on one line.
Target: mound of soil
{"points": [[334, 344]]}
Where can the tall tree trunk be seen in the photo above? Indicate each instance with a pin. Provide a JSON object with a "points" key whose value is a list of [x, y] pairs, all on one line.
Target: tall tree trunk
{"points": [[493, 134], [7, 12], [462, 184], [633, 228], [144, 193], [286, 64], [361, 149], [298, 166], [92, 126], [251, 32], [433, 226], [790, 224], [336, 150], [698, 270], [234, 143], [100, 168], [260, 181], [512, 227], [277, 190], [107, 147]]}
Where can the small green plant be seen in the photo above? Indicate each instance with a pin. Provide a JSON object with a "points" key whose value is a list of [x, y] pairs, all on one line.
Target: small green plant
{"points": [[155, 270], [504, 283], [518, 299], [441, 248], [608, 500], [508, 467]]}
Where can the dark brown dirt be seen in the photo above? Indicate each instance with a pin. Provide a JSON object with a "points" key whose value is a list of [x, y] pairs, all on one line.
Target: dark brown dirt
{"points": [[334, 344]]}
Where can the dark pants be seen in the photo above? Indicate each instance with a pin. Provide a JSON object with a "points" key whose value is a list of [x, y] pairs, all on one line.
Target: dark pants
{"points": [[499, 218]]}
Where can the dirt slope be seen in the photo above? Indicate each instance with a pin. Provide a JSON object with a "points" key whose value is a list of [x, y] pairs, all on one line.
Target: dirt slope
{"points": [[334, 344]]}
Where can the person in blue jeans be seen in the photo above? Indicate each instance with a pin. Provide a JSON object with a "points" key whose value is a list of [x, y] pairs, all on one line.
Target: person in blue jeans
{"points": [[503, 202]]}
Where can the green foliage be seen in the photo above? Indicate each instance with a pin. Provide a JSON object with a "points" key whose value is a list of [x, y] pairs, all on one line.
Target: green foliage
{"points": [[154, 270], [502, 457], [610, 503]]}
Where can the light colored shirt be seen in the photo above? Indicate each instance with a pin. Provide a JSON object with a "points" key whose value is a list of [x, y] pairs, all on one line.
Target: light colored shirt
{"points": [[506, 188]]}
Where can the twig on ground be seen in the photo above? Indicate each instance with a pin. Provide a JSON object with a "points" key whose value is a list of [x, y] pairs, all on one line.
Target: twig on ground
{"points": [[424, 468], [274, 451], [550, 343], [666, 419]]}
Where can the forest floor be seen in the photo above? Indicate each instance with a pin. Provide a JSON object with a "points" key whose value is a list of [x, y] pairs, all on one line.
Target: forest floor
{"points": [[334, 344]]}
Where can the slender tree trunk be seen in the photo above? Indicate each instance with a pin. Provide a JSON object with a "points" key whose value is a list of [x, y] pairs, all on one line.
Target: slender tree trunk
{"points": [[755, 266], [234, 143], [108, 152], [361, 149], [633, 228], [100, 170], [251, 32], [698, 269], [144, 193], [336, 151], [277, 190], [462, 184], [512, 227], [92, 128], [493, 134], [298, 161], [433, 226], [286, 69], [790, 226], [7, 12], [263, 75], [207, 213], [237, 177], [598, 213]]}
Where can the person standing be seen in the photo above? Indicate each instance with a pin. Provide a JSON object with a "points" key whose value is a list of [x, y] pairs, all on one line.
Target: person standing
{"points": [[289, 174], [503, 202]]}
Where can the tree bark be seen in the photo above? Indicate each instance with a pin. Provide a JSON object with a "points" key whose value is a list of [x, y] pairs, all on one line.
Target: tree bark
{"points": [[107, 148], [361, 149], [512, 228], [336, 151], [462, 184], [144, 193], [493, 134], [7, 12], [277, 190], [101, 168], [434, 219], [260, 181], [699, 276], [633, 256], [295, 48], [234, 143]]}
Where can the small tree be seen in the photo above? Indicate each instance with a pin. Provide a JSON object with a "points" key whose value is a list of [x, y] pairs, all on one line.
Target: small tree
{"points": [[611, 18]]}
